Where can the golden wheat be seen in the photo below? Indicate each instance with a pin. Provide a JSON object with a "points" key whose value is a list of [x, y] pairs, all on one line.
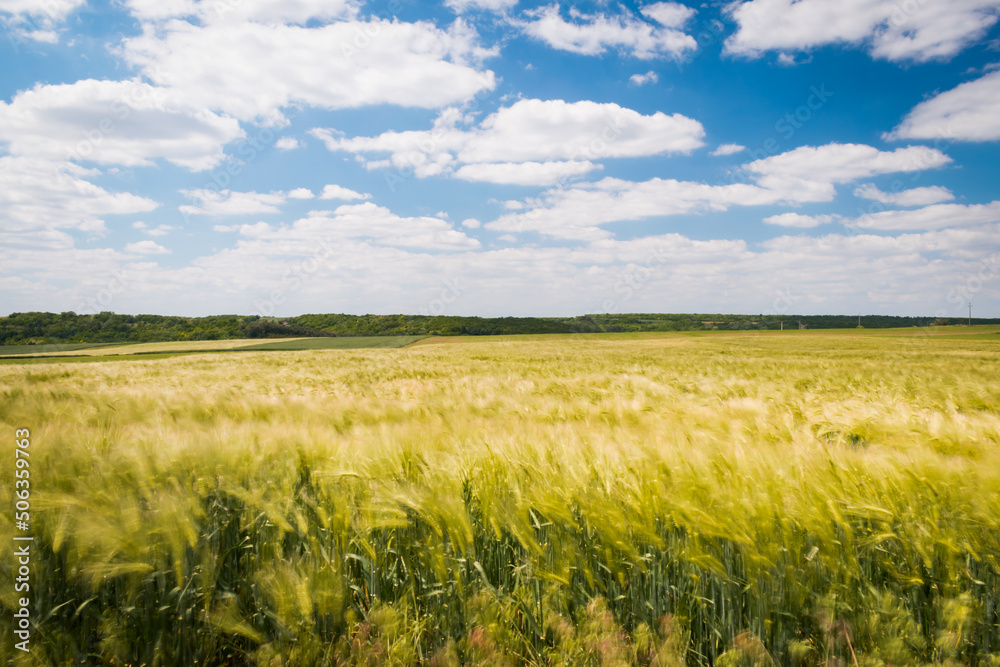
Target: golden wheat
{"points": [[755, 500]]}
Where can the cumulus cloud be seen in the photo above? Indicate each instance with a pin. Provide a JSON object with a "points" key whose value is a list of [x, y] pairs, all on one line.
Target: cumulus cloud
{"points": [[146, 248], [461, 6], [301, 193], [345, 64], [809, 173], [728, 149], [218, 203], [593, 34], [34, 20], [113, 122], [643, 79], [969, 112], [365, 221], [913, 197], [917, 31], [791, 59], [562, 135], [669, 14], [799, 220], [260, 11], [159, 230], [369, 220], [338, 192], [806, 174], [44, 194], [525, 173], [287, 144], [55, 10], [313, 267], [578, 212], [937, 216]]}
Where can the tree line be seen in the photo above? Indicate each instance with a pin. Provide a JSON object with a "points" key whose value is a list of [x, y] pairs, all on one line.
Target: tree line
{"points": [[107, 327]]}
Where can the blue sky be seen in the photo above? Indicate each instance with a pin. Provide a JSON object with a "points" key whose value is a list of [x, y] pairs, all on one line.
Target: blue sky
{"points": [[495, 157]]}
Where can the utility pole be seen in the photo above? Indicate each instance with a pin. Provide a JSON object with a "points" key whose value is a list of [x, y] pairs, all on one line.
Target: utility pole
{"points": [[970, 313]]}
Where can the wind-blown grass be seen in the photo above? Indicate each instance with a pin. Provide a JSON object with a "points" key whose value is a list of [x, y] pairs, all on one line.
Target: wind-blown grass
{"points": [[10, 350], [337, 343], [812, 500]]}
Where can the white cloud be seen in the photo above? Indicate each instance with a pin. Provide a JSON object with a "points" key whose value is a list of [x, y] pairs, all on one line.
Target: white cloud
{"points": [[969, 112], [643, 79], [287, 144], [593, 34], [43, 35], [555, 129], [461, 6], [226, 202], [938, 216], [525, 173], [231, 11], [55, 10], [43, 194], [471, 223], [790, 59], [160, 230], [728, 149], [301, 193], [669, 14], [809, 173], [365, 221], [36, 20], [157, 10], [806, 174], [314, 265], [369, 220], [113, 122], [146, 248], [918, 31], [338, 192], [913, 197], [577, 212], [800, 221], [542, 131], [346, 64]]}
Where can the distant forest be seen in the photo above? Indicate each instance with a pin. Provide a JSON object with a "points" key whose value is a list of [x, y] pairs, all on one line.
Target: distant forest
{"points": [[69, 327]]}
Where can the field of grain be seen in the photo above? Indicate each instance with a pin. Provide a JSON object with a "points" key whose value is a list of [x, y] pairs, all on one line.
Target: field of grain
{"points": [[820, 499], [85, 351], [130, 348], [338, 343]]}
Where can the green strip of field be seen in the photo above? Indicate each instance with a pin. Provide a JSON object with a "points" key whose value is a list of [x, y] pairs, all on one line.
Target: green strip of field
{"points": [[6, 350], [339, 343], [145, 356], [152, 351], [93, 351], [978, 332]]}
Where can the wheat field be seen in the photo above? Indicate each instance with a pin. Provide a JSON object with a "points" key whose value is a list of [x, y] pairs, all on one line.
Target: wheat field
{"points": [[816, 499]]}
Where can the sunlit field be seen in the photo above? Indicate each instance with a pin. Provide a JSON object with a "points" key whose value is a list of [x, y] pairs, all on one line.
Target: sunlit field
{"points": [[173, 347], [803, 498]]}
